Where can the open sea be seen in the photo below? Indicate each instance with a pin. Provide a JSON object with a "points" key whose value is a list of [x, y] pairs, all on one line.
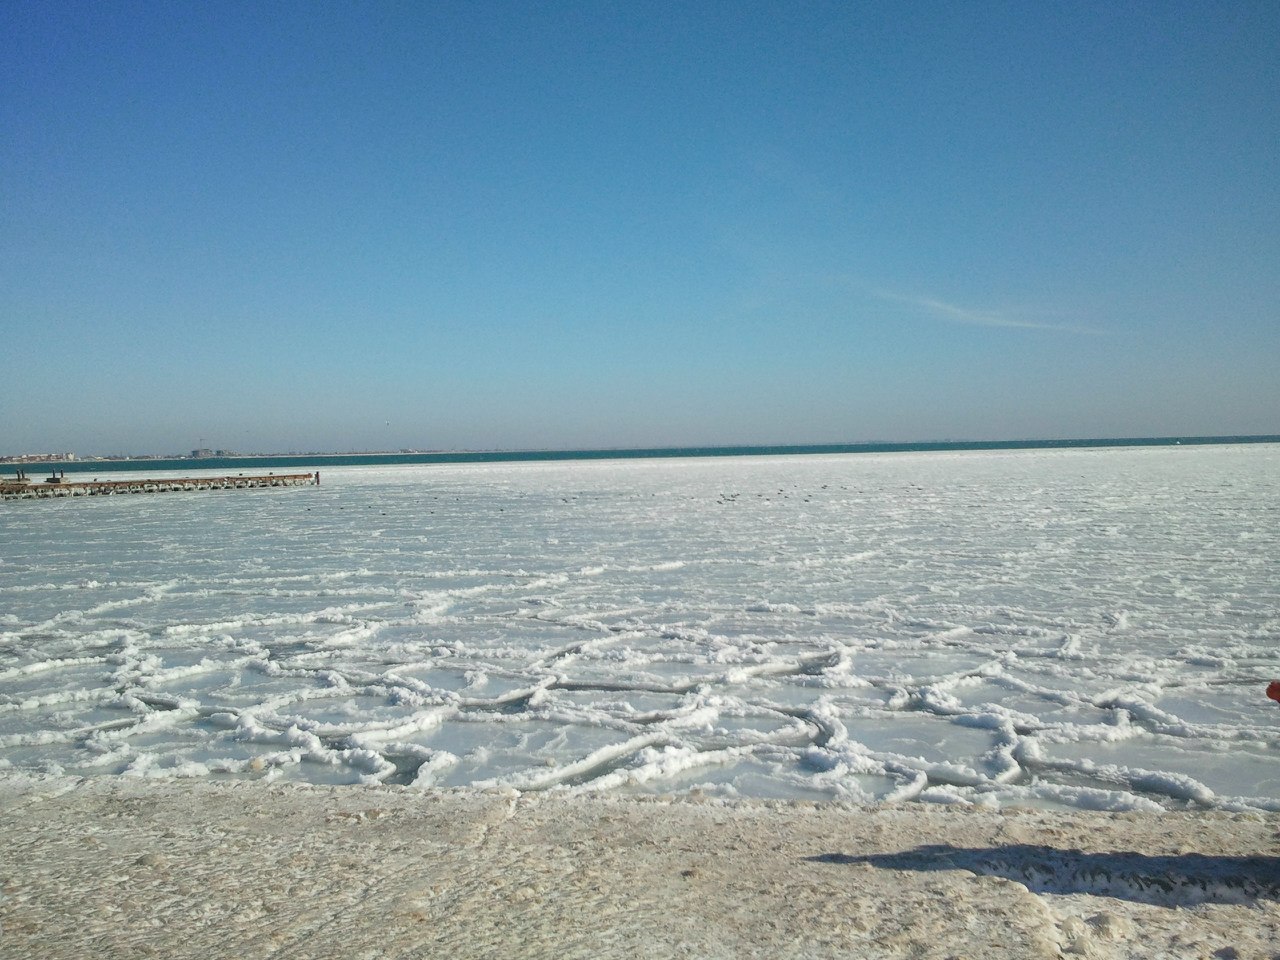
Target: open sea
{"points": [[1084, 624]]}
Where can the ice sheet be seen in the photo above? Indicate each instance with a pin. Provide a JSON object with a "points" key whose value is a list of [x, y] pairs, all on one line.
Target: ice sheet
{"points": [[1085, 628]]}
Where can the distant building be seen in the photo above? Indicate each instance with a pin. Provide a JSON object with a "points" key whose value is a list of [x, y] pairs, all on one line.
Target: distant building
{"points": [[39, 458], [201, 454]]}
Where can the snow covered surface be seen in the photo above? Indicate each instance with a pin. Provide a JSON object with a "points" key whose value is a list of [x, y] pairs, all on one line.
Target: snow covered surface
{"points": [[584, 709], [1076, 629], [126, 868]]}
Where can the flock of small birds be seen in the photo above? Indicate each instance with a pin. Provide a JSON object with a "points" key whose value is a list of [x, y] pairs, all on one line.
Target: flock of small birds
{"points": [[722, 499]]}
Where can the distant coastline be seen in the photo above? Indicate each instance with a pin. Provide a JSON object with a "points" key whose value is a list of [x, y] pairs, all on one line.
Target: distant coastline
{"points": [[256, 461]]}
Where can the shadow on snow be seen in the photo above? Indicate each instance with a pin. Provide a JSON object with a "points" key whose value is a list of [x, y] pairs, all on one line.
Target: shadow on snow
{"points": [[1166, 881]]}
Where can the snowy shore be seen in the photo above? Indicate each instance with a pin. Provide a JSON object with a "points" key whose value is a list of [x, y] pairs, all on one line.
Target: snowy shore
{"points": [[124, 867]]}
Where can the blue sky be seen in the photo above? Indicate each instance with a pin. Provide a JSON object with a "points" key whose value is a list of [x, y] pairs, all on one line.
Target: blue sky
{"points": [[371, 226]]}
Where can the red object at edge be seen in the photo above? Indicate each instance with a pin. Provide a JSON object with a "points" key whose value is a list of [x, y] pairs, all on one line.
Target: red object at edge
{"points": [[1273, 690]]}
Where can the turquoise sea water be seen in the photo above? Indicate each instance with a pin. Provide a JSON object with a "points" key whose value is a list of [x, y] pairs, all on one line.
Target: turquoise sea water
{"points": [[638, 453]]}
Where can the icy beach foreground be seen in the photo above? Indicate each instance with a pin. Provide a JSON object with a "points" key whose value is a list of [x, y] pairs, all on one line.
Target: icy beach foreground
{"points": [[130, 868]]}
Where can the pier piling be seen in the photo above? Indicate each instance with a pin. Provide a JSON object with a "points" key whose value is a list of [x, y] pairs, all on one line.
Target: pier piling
{"points": [[58, 486]]}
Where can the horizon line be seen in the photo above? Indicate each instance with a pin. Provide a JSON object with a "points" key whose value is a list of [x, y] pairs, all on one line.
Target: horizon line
{"points": [[745, 448]]}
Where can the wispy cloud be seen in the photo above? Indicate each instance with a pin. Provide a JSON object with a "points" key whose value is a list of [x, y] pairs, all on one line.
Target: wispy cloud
{"points": [[953, 313]]}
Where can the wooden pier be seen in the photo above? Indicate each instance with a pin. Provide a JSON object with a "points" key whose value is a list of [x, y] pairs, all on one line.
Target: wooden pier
{"points": [[59, 486]]}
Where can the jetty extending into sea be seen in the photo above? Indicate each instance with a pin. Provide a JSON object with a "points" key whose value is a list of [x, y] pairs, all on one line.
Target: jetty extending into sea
{"points": [[58, 485]]}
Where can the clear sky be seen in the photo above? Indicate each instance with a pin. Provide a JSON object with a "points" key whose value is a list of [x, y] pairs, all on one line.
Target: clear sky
{"points": [[278, 226]]}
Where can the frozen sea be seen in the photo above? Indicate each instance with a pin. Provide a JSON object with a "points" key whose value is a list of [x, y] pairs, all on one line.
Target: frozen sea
{"points": [[1089, 628]]}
